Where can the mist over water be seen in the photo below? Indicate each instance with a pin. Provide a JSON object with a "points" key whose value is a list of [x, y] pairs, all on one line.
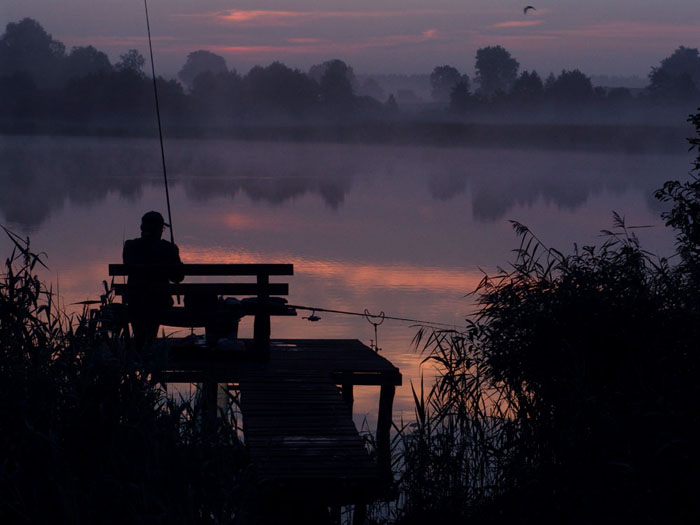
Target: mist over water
{"points": [[400, 229]]}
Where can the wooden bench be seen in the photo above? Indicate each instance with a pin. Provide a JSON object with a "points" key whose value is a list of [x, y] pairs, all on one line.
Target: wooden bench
{"points": [[264, 297]]}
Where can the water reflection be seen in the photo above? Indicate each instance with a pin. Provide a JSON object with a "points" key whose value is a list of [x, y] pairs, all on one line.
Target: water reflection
{"points": [[40, 174], [399, 229]]}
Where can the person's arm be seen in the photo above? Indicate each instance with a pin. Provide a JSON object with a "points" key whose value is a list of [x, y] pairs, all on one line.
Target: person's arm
{"points": [[128, 252], [176, 276]]}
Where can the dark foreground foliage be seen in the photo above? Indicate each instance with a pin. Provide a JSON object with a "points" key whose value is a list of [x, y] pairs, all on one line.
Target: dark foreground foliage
{"points": [[85, 436], [572, 397]]}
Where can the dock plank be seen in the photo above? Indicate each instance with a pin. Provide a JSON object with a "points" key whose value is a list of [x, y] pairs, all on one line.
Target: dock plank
{"points": [[300, 431]]}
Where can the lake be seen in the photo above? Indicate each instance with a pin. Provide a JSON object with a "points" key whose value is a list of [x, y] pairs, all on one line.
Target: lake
{"points": [[407, 230]]}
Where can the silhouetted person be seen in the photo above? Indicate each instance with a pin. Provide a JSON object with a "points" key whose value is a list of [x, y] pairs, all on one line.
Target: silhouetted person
{"points": [[146, 300]]}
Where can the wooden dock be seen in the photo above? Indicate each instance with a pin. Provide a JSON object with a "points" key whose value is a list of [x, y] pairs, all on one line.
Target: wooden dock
{"points": [[296, 395], [297, 413]]}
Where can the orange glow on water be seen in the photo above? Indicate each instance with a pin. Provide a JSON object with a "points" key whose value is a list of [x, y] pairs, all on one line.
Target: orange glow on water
{"points": [[399, 276]]}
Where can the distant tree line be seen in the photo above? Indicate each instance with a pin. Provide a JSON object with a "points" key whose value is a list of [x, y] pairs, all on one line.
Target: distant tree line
{"points": [[501, 88], [41, 81]]}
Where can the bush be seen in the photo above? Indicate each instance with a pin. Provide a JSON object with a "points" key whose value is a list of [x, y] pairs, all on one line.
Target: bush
{"points": [[572, 395], [86, 436]]}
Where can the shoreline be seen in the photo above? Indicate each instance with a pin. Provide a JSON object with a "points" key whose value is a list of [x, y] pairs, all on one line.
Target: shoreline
{"points": [[627, 138]]}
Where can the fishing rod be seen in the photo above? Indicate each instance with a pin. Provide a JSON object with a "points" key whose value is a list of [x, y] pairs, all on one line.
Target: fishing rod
{"points": [[160, 127]]}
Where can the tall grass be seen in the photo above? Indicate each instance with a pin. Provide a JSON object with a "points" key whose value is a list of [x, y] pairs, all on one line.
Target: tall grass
{"points": [[85, 435], [571, 397]]}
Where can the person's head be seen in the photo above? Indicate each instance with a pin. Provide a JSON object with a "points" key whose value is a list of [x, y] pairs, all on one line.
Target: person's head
{"points": [[152, 224]]}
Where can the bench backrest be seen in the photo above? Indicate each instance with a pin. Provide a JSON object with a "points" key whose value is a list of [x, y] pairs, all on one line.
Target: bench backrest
{"points": [[261, 288]]}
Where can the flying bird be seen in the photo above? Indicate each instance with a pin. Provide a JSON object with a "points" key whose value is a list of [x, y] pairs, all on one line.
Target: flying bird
{"points": [[528, 8]]}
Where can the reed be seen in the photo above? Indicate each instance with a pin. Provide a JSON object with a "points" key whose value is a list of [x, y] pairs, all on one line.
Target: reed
{"points": [[86, 435], [571, 396]]}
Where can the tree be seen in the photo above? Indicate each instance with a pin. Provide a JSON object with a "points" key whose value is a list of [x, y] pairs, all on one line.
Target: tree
{"points": [[217, 94], [131, 62], [528, 89], [460, 98], [371, 88], [391, 107], [496, 70], [317, 71], [199, 62], [18, 96], [336, 87], [27, 47], [279, 90], [83, 61], [678, 76], [619, 95], [443, 79], [570, 88]]}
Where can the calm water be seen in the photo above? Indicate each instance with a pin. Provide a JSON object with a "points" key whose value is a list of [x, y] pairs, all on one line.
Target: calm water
{"points": [[404, 230]]}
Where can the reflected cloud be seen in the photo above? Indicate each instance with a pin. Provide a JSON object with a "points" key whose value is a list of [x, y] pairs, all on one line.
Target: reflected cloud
{"points": [[349, 274]]}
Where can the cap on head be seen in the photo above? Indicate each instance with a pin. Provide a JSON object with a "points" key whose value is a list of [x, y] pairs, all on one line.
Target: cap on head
{"points": [[152, 222]]}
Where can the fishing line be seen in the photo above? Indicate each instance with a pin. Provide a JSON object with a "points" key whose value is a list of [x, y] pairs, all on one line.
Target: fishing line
{"points": [[368, 315], [160, 128]]}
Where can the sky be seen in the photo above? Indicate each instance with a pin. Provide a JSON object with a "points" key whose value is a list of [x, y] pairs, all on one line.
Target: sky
{"points": [[608, 37]]}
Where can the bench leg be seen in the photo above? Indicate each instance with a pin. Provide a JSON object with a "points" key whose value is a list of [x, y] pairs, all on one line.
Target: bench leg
{"points": [[348, 397], [261, 332]]}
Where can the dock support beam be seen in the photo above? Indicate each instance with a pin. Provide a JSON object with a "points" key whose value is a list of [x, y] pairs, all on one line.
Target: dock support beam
{"points": [[359, 516], [386, 401], [207, 405]]}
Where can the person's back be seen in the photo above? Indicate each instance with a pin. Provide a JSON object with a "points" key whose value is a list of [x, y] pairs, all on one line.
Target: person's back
{"points": [[145, 300], [147, 250]]}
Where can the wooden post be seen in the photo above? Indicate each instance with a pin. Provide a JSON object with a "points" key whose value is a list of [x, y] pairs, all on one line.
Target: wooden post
{"points": [[207, 405], [386, 400], [335, 514], [261, 325], [348, 397], [359, 516]]}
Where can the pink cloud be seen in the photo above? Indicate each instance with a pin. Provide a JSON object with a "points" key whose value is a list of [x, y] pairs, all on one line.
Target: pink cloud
{"points": [[300, 46], [628, 29], [247, 16], [518, 23], [262, 18], [115, 41], [304, 40], [620, 34], [265, 51], [396, 40]]}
